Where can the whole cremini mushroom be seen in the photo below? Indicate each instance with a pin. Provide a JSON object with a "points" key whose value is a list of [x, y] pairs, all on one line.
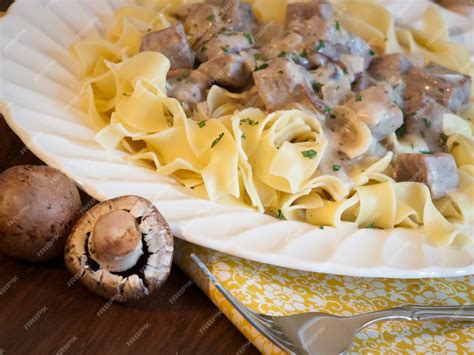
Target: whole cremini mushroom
{"points": [[122, 249], [38, 207]]}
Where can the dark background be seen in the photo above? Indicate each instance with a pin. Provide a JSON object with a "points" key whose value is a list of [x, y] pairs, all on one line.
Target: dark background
{"points": [[66, 318]]}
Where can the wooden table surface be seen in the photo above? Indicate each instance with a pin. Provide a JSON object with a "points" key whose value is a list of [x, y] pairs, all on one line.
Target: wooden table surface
{"points": [[39, 313]]}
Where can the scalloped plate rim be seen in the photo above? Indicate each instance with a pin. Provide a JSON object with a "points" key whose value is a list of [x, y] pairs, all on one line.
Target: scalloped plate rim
{"points": [[329, 267]]}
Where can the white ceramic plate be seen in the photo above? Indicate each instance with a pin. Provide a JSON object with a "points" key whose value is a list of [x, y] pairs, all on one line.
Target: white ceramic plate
{"points": [[38, 92]]}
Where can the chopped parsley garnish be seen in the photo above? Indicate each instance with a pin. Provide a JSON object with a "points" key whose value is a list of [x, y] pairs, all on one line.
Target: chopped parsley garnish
{"points": [[426, 122], [358, 97], [263, 66], [249, 37], [211, 18], [185, 74], [321, 227], [225, 50], [310, 154], [426, 152], [338, 87], [371, 52], [202, 124], [243, 136], [338, 26], [327, 109], [336, 167], [257, 56], [320, 46], [304, 54], [296, 58], [226, 32], [217, 140], [401, 131], [249, 121], [371, 225], [280, 214], [282, 54]]}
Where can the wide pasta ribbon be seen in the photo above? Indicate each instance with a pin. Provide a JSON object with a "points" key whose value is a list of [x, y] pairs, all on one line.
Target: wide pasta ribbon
{"points": [[272, 162]]}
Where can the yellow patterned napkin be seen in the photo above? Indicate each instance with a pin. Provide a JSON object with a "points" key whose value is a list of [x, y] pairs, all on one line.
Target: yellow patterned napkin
{"points": [[278, 291]]}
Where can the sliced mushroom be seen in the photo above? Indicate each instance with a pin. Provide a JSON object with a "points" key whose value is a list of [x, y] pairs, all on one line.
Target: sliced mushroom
{"points": [[121, 249]]}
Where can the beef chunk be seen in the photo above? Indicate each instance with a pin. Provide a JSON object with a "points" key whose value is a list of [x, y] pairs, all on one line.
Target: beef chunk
{"points": [[225, 42], [289, 47], [437, 171], [334, 85], [227, 70], [172, 43], [268, 32], [354, 65], [302, 11], [235, 15], [424, 117], [449, 88], [248, 20], [362, 82], [202, 23], [316, 29], [324, 38], [182, 12], [284, 82], [389, 67], [376, 107], [188, 86], [357, 46]]}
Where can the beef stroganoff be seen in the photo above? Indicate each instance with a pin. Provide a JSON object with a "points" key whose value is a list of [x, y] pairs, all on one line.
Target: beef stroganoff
{"points": [[287, 112]]}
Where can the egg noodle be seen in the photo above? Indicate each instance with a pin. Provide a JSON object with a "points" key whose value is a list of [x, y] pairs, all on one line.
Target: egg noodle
{"points": [[260, 160]]}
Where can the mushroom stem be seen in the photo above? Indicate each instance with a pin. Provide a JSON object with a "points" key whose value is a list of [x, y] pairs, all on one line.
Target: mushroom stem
{"points": [[116, 241]]}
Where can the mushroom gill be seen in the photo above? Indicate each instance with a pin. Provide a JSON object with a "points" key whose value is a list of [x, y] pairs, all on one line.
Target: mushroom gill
{"points": [[121, 248]]}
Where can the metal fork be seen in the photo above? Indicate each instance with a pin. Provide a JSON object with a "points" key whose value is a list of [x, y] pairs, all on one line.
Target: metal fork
{"points": [[322, 333]]}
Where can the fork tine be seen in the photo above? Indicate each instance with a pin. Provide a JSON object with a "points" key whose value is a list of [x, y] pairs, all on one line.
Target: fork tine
{"points": [[259, 321]]}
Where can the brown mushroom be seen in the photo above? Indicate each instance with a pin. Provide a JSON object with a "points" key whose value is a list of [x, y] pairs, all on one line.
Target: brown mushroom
{"points": [[38, 206], [121, 249]]}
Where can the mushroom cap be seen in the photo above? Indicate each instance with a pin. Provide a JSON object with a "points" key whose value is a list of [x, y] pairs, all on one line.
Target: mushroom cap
{"points": [[151, 268], [38, 206]]}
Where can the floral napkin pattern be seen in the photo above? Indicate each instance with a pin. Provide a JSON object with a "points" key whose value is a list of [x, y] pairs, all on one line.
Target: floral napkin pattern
{"points": [[279, 291]]}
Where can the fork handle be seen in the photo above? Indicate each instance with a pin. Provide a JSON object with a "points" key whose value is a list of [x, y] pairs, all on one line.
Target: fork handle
{"points": [[426, 312]]}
